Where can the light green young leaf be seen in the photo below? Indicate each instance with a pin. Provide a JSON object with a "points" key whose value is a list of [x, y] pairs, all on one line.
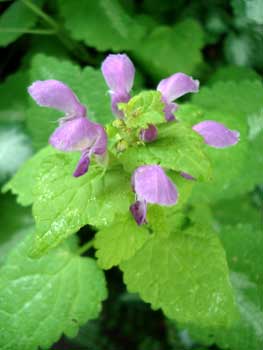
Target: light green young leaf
{"points": [[144, 109], [87, 84], [63, 203], [16, 19], [23, 182], [44, 298], [103, 24], [185, 275], [119, 241], [178, 148], [167, 50]]}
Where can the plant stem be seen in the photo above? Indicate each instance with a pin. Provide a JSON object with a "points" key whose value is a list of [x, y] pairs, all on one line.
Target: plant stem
{"points": [[76, 49], [28, 31], [38, 11], [83, 249]]}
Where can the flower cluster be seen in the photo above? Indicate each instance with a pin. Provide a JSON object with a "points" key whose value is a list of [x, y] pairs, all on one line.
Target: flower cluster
{"points": [[77, 133]]}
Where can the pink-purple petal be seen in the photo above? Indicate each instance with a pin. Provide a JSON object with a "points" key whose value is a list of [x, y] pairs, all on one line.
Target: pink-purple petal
{"points": [[169, 109], [150, 134], [83, 165], [57, 95], [118, 98], [187, 176], [151, 184], [79, 134], [176, 86], [118, 71], [216, 134], [139, 210]]}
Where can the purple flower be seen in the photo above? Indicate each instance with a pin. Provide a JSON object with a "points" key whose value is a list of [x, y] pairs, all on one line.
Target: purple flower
{"points": [[216, 134], [118, 71], [57, 95], [174, 87], [75, 131], [151, 185]]}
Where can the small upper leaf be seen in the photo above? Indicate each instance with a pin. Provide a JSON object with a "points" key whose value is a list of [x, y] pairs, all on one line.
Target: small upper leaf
{"points": [[143, 109]]}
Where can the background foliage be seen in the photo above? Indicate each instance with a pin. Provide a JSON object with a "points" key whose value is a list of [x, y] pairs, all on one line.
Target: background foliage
{"points": [[218, 42]]}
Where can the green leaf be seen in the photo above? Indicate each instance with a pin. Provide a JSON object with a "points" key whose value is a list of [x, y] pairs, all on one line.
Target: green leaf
{"points": [[167, 50], [103, 24], [63, 203], [16, 222], [47, 297], [185, 275], [144, 109], [119, 241], [14, 99], [233, 73], [16, 19], [243, 243], [22, 184], [178, 148], [238, 210], [87, 84], [238, 106]]}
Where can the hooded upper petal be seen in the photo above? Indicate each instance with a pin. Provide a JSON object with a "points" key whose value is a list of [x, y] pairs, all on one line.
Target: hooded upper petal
{"points": [[57, 95], [118, 71], [79, 134], [176, 86], [151, 184], [216, 134]]}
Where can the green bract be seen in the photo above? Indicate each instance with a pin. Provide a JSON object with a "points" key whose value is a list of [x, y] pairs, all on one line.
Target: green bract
{"points": [[143, 109]]}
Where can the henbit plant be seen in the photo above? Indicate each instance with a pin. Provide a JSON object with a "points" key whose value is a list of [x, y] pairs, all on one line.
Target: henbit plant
{"points": [[133, 184]]}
